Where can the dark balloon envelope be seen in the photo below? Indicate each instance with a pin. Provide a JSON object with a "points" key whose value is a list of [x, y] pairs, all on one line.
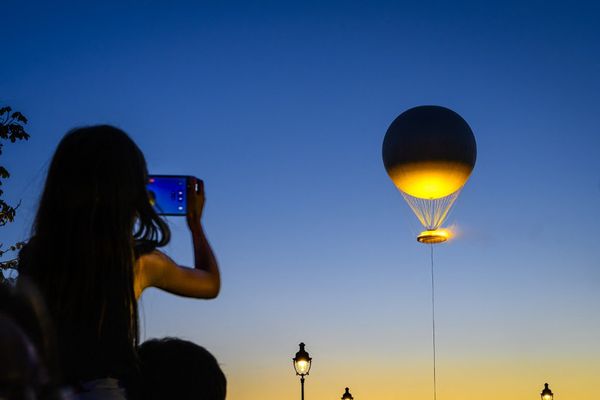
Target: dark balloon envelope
{"points": [[429, 152]]}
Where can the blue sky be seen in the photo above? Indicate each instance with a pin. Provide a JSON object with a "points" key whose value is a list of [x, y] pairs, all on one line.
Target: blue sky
{"points": [[281, 107]]}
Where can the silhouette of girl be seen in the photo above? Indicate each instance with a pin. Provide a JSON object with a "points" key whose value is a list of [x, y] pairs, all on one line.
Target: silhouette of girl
{"points": [[94, 250]]}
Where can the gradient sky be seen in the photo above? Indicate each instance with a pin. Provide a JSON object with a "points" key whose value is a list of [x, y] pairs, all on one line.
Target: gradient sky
{"points": [[281, 107]]}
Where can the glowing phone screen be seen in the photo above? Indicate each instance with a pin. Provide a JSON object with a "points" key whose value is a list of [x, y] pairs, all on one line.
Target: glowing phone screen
{"points": [[168, 194]]}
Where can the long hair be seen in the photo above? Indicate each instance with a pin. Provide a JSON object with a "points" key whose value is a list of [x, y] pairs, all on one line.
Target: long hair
{"points": [[94, 218]]}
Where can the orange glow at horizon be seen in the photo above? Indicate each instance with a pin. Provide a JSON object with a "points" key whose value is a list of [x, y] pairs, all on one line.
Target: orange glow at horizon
{"points": [[466, 378]]}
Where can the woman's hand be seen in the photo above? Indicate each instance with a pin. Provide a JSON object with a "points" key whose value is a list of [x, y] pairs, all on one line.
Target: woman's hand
{"points": [[195, 203]]}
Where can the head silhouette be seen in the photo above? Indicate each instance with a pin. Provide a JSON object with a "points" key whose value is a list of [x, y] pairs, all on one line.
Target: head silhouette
{"points": [[178, 369]]}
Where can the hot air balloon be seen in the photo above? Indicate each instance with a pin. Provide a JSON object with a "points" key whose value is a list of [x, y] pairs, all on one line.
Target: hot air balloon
{"points": [[429, 153]]}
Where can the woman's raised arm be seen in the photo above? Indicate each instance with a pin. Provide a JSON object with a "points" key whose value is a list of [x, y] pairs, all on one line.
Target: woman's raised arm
{"points": [[158, 270]]}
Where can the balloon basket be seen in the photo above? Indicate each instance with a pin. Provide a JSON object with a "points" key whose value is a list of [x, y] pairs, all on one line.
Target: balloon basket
{"points": [[433, 236]]}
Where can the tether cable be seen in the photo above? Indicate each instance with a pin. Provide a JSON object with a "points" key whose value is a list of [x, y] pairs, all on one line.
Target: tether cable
{"points": [[433, 324]]}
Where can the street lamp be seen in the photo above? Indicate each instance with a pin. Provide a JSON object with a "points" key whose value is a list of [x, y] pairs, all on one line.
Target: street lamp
{"points": [[547, 393], [347, 395], [302, 366]]}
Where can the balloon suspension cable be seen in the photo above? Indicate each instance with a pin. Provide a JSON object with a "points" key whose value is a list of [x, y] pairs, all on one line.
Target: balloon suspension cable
{"points": [[433, 324], [431, 212]]}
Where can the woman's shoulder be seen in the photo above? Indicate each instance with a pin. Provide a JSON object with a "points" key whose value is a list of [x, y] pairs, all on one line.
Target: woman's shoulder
{"points": [[149, 270]]}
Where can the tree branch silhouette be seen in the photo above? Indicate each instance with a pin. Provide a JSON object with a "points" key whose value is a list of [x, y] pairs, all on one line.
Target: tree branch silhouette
{"points": [[12, 128]]}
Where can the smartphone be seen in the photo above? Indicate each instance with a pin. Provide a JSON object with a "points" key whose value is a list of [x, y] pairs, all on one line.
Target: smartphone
{"points": [[168, 194]]}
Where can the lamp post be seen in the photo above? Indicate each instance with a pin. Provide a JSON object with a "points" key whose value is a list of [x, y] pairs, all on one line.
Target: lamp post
{"points": [[347, 395], [302, 366], [547, 393]]}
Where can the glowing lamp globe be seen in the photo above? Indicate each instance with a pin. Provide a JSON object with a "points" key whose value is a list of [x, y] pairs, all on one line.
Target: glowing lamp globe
{"points": [[302, 361]]}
